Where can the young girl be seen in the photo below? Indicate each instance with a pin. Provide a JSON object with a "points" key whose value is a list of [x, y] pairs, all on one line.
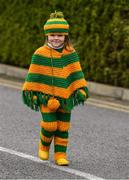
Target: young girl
{"points": [[54, 84]]}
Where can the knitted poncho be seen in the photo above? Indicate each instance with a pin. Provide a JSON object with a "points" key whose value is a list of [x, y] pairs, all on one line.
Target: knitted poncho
{"points": [[52, 73]]}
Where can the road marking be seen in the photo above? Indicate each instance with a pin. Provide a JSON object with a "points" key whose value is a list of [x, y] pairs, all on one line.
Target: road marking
{"points": [[108, 107], [64, 169], [108, 103], [91, 101], [8, 83]]}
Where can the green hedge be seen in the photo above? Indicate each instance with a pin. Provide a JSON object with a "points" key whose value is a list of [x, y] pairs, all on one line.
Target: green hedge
{"points": [[99, 30]]}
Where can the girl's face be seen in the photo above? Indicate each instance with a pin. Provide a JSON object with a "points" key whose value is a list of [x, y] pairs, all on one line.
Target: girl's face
{"points": [[56, 40]]}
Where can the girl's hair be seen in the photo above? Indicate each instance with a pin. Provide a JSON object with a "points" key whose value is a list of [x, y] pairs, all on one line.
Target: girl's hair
{"points": [[67, 43]]}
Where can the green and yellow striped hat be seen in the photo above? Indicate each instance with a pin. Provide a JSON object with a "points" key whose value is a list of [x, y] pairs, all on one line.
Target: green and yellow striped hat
{"points": [[56, 24]]}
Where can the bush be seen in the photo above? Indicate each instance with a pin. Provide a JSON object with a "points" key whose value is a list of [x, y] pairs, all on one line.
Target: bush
{"points": [[99, 30]]}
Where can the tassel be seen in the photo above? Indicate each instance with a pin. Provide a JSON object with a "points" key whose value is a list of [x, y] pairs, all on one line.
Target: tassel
{"points": [[86, 91], [81, 97], [35, 99]]}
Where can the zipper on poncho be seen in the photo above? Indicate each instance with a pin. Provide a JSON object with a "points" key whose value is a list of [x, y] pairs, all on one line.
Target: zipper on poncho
{"points": [[53, 89], [52, 74], [62, 61]]}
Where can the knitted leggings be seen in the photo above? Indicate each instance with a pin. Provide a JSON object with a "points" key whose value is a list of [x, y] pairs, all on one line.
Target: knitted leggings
{"points": [[55, 125]]}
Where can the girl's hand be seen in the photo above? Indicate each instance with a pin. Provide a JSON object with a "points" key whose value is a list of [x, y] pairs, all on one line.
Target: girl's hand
{"points": [[82, 92]]}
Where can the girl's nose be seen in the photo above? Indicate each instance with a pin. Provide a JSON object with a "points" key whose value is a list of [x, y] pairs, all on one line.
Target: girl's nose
{"points": [[56, 36]]}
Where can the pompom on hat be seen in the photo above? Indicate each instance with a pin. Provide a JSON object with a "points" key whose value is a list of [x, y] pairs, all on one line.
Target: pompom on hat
{"points": [[56, 24]]}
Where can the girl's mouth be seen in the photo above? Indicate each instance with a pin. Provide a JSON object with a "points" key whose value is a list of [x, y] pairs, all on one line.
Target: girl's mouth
{"points": [[56, 41]]}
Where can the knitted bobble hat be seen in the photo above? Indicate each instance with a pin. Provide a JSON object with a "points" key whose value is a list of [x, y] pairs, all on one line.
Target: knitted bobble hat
{"points": [[56, 24]]}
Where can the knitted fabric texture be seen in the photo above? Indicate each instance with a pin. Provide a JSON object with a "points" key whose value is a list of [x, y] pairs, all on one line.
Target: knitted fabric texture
{"points": [[56, 24], [54, 74], [55, 125]]}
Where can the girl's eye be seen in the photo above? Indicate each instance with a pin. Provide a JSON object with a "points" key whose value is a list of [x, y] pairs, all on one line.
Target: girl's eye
{"points": [[59, 35]]}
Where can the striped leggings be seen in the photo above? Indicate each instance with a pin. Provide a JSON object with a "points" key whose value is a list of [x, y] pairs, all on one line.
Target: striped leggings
{"points": [[55, 125]]}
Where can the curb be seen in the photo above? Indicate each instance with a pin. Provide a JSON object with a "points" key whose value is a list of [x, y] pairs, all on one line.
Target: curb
{"points": [[12, 71], [94, 88]]}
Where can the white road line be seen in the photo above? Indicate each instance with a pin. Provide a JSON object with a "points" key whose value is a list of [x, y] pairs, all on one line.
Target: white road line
{"points": [[15, 86], [108, 107], [64, 169], [91, 101], [109, 103]]}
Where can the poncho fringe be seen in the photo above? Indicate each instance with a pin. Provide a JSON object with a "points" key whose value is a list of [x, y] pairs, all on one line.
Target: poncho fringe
{"points": [[41, 98]]}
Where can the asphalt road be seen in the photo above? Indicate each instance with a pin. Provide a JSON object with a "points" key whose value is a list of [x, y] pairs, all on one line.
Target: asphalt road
{"points": [[98, 146]]}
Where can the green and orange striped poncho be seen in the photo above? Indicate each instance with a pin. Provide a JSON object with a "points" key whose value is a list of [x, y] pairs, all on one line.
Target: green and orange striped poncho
{"points": [[54, 74]]}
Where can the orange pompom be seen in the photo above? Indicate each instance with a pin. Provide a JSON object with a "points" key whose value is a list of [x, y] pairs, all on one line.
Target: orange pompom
{"points": [[53, 104]]}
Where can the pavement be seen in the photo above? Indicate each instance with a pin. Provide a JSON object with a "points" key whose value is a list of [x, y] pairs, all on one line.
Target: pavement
{"points": [[97, 89], [98, 146], [98, 141]]}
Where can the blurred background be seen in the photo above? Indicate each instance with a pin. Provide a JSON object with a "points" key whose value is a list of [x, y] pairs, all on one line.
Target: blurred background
{"points": [[99, 30]]}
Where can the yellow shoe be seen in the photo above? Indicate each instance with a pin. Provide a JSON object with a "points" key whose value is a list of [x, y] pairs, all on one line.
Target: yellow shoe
{"points": [[44, 155], [62, 162]]}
